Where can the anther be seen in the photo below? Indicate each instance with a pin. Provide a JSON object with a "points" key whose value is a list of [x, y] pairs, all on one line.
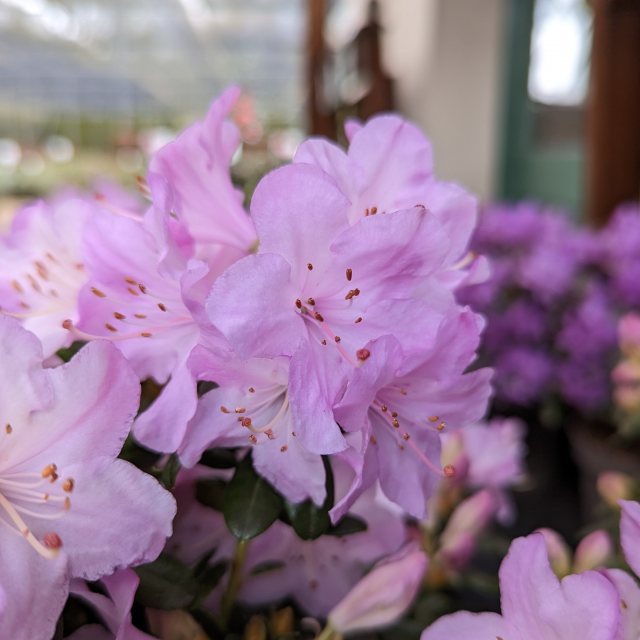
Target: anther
{"points": [[349, 274], [253, 439], [240, 409], [395, 423], [363, 354], [161, 306], [441, 426], [318, 316], [142, 287], [52, 540], [433, 418], [17, 286], [140, 316], [309, 266], [323, 342], [449, 471], [145, 334], [374, 210], [130, 281], [224, 409], [337, 338], [66, 505], [269, 434], [252, 390], [110, 327], [245, 422], [49, 470], [283, 448], [299, 303], [68, 485], [119, 316], [133, 292], [373, 440], [405, 436], [8, 428], [97, 292], [311, 301], [384, 408], [358, 320]]}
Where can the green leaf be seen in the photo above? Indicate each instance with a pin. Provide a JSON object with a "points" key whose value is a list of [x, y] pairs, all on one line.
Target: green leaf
{"points": [[210, 493], [208, 580], [307, 519], [166, 584], [66, 353], [219, 458], [347, 526], [250, 503], [167, 474]]}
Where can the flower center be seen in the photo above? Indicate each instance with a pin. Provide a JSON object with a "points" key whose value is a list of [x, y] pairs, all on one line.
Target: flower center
{"points": [[40, 496]]}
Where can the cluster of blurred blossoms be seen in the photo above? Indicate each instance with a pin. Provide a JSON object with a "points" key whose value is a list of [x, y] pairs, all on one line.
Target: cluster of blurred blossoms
{"points": [[553, 302], [264, 424]]}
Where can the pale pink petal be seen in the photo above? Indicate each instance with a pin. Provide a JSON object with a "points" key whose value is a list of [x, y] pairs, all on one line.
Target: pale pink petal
{"points": [[630, 533], [469, 626]]}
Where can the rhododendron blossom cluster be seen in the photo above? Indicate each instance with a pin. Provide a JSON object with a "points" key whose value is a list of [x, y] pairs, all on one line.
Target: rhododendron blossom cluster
{"points": [[211, 410]]}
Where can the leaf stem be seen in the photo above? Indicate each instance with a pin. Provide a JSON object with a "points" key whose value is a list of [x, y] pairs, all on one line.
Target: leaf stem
{"points": [[235, 580]]}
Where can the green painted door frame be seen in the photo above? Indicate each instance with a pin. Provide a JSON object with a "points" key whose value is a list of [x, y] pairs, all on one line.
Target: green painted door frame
{"points": [[530, 169]]}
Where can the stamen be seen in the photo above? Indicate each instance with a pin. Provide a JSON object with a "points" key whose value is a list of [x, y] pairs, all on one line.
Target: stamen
{"points": [[318, 316], [253, 439], [283, 448], [224, 409], [52, 540], [311, 301], [309, 266], [68, 485], [358, 320], [161, 306], [349, 274], [8, 428], [299, 303], [97, 292], [110, 327], [119, 316], [363, 354]]}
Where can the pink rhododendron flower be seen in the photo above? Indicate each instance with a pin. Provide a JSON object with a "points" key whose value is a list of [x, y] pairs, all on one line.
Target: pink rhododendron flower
{"points": [[389, 167], [396, 404], [62, 490], [281, 407], [114, 608], [383, 595], [212, 224], [41, 268], [536, 605], [629, 595], [315, 277]]}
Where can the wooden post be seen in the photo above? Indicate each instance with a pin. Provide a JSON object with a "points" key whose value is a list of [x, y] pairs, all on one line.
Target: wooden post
{"points": [[614, 108]]}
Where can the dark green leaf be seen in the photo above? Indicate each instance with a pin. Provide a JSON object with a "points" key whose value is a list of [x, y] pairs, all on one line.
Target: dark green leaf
{"points": [[250, 503], [219, 459], [166, 584], [308, 520], [167, 474], [204, 386], [348, 526], [265, 567], [67, 353], [210, 493], [208, 580]]}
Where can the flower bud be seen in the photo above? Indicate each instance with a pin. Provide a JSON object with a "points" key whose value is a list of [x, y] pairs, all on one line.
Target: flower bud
{"points": [[558, 551], [614, 486], [467, 522], [593, 551], [383, 595]]}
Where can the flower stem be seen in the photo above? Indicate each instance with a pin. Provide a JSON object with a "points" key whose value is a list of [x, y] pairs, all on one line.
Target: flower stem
{"points": [[327, 633], [235, 580]]}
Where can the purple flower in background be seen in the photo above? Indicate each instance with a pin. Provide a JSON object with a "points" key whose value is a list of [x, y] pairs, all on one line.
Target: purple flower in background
{"points": [[536, 605], [522, 375], [71, 508]]}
